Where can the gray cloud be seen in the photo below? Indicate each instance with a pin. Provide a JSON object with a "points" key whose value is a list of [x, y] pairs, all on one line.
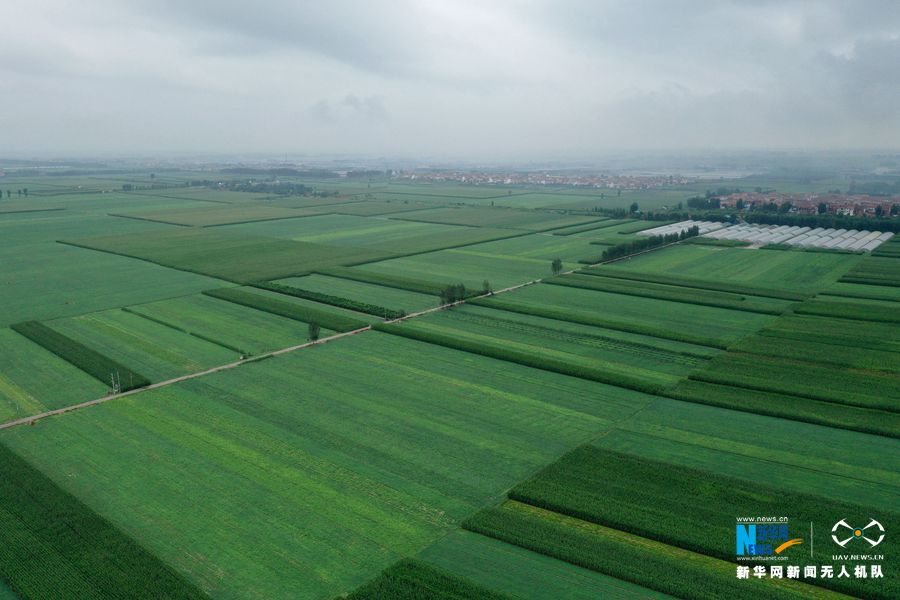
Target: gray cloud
{"points": [[454, 78]]}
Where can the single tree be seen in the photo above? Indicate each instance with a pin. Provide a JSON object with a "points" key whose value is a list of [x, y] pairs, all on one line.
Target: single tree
{"points": [[313, 331], [486, 287], [634, 208], [879, 210], [823, 208], [25, 191], [556, 266]]}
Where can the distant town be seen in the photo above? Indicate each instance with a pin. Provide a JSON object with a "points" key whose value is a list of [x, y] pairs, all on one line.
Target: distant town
{"points": [[587, 180]]}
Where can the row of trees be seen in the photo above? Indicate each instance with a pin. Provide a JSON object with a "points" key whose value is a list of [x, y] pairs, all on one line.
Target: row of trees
{"points": [[823, 220], [652, 241], [19, 193]]}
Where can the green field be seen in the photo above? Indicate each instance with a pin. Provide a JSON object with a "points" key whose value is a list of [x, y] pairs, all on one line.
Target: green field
{"points": [[541, 246], [421, 458], [543, 342], [364, 292], [209, 217], [228, 255], [33, 380], [240, 329], [378, 235], [466, 265], [496, 217], [674, 293], [795, 271], [327, 479], [658, 500], [521, 573], [661, 567], [44, 280], [155, 350], [722, 325]]}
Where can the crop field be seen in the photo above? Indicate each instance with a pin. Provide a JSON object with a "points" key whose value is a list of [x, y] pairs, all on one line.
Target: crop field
{"points": [[413, 580], [539, 246], [373, 208], [389, 297], [240, 329], [839, 332], [510, 569], [298, 309], [467, 266], [43, 279], [875, 270], [46, 531], [789, 270], [33, 379], [859, 290], [614, 271], [577, 350], [844, 466], [422, 457], [857, 309], [663, 568], [326, 480], [100, 366], [497, 217], [209, 217], [155, 350], [669, 320], [806, 379], [657, 500], [234, 257], [373, 235], [766, 306]]}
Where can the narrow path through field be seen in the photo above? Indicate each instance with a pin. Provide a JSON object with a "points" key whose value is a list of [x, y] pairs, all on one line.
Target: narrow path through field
{"points": [[66, 409]]}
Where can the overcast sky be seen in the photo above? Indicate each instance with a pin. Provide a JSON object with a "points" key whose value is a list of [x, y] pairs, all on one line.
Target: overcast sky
{"points": [[488, 80]]}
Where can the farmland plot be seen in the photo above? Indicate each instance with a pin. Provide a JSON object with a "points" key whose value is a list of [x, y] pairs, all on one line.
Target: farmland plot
{"points": [[514, 570], [543, 345], [683, 507], [376, 234], [668, 319], [33, 380], [210, 217], [465, 266], [363, 292], [496, 217], [846, 466], [240, 258], [664, 568], [866, 389], [240, 329], [795, 271], [52, 546], [44, 280], [153, 349], [322, 480], [674, 293], [539, 246]]}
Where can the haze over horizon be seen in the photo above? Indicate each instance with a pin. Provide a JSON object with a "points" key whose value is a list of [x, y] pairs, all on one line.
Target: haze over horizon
{"points": [[486, 81]]}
